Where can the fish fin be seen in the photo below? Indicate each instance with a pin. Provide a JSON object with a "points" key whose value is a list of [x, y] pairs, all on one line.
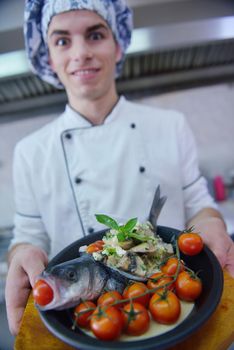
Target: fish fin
{"points": [[131, 276], [156, 208]]}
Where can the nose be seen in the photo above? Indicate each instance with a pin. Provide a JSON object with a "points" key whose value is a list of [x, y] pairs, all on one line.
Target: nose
{"points": [[81, 51]]}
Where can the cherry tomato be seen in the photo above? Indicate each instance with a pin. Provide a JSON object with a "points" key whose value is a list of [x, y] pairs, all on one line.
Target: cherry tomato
{"points": [[109, 298], [136, 319], [170, 267], [190, 243], [165, 307], [137, 289], [42, 293], [106, 323], [188, 286], [160, 279], [95, 247], [83, 319]]}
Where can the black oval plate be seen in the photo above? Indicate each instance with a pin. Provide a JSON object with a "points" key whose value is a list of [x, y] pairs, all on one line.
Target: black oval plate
{"points": [[60, 322]]}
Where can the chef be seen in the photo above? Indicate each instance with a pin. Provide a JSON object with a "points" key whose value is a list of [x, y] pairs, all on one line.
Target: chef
{"points": [[104, 154]]}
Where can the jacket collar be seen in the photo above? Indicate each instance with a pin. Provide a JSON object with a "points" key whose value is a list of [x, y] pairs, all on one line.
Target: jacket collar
{"points": [[73, 119]]}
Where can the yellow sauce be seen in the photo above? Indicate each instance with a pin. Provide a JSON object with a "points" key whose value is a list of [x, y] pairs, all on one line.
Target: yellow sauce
{"points": [[155, 327]]}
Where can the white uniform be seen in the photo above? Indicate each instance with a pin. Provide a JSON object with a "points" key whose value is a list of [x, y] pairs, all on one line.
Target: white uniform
{"points": [[69, 170]]}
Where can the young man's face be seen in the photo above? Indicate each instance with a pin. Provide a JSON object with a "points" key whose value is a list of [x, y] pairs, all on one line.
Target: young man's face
{"points": [[83, 53]]}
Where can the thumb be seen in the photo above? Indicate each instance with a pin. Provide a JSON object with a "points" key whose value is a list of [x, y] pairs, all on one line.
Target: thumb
{"points": [[35, 266], [220, 255]]}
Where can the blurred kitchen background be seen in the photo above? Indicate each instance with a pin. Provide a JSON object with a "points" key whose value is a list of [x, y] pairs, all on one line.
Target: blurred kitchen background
{"points": [[181, 57]]}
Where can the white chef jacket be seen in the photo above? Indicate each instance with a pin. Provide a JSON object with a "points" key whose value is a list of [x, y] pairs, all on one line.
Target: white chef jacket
{"points": [[70, 170]]}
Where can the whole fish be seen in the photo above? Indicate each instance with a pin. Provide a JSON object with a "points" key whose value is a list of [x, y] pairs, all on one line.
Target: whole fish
{"points": [[84, 278]]}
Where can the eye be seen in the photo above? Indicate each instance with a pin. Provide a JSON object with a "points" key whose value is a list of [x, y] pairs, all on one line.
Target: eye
{"points": [[96, 36], [62, 42]]}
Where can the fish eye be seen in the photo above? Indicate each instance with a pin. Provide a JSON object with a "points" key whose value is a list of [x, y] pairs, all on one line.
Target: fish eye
{"points": [[71, 275]]}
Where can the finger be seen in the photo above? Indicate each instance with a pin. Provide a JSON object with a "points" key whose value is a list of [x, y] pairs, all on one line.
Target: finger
{"points": [[230, 261], [14, 320], [219, 246], [34, 265], [220, 252], [221, 256], [230, 269], [26, 264], [15, 301], [34, 271]]}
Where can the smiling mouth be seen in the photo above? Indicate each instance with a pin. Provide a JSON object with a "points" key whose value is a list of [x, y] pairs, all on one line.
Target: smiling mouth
{"points": [[85, 72]]}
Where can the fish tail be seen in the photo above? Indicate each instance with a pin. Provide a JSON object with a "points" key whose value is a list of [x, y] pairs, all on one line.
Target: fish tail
{"points": [[156, 207]]}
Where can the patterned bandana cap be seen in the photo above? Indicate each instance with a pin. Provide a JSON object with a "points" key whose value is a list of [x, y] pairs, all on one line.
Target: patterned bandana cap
{"points": [[38, 14]]}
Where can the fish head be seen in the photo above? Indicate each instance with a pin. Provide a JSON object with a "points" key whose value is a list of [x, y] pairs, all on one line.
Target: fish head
{"points": [[73, 281], [67, 273]]}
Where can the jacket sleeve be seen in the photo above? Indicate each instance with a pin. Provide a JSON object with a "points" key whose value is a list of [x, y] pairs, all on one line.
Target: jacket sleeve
{"points": [[194, 185], [28, 223]]}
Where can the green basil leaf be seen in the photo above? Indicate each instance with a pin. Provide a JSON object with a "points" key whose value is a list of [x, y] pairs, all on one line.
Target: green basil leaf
{"points": [[121, 236], [122, 228], [129, 226], [107, 220], [139, 237]]}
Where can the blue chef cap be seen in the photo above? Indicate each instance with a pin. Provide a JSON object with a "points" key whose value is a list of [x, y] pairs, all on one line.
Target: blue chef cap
{"points": [[38, 14]]}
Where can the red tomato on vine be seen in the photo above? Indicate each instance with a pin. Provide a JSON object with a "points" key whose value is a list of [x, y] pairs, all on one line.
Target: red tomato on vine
{"points": [[137, 289], [109, 298], [159, 279], [188, 286], [165, 307], [106, 323], [136, 319], [82, 318], [170, 267], [190, 243]]}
